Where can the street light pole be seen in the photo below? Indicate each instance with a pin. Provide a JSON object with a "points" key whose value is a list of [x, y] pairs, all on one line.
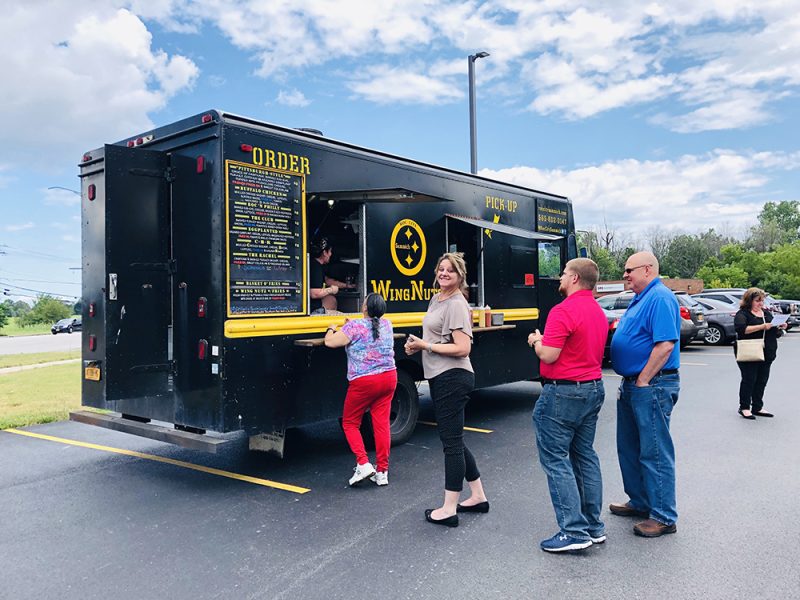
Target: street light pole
{"points": [[66, 189], [473, 134]]}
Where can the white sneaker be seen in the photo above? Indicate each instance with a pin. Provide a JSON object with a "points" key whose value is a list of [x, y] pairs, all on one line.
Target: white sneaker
{"points": [[361, 472], [380, 478]]}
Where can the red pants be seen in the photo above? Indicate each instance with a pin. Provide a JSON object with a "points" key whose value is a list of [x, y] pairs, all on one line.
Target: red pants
{"points": [[373, 392]]}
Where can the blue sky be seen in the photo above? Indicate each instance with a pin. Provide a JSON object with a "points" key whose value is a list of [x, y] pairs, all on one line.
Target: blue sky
{"points": [[677, 115]]}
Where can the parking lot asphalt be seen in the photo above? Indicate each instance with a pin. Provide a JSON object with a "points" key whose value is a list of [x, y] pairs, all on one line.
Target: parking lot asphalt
{"points": [[83, 521]]}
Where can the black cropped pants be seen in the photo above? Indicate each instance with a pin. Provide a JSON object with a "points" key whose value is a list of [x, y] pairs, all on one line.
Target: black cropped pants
{"points": [[449, 392], [754, 380]]}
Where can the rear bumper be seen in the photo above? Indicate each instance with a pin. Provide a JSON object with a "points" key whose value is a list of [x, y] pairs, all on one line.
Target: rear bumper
{"points": [[195, 441]]}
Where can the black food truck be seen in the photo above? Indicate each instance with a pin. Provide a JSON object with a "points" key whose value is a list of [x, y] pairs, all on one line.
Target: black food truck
{"points": [[196, 306]]}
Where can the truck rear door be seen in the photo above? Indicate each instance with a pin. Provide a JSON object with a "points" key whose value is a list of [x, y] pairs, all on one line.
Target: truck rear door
{"points": [[138, 276]]}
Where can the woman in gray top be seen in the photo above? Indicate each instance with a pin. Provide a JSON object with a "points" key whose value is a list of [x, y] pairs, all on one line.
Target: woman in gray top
{"points": [[446, 343]]}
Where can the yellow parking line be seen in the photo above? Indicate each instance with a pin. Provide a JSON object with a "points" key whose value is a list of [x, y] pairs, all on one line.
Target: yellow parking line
{"points": [[475, 429], [170, 461]]}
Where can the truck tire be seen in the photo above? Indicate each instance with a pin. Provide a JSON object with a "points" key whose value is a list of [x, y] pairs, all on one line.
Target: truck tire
{"points": [[714, 336], [405, 409]]}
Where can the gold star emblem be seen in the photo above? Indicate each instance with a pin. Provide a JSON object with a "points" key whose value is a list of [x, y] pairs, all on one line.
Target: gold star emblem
{"points": [[408, 260], [408, 233], [415, 247]]}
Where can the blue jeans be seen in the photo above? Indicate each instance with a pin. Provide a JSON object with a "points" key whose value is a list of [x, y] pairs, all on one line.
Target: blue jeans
{"points": [[565, 419], [644, 445]]}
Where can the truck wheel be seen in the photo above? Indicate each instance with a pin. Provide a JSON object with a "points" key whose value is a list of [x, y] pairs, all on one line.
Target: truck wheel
{"points": [[714, 336], [405, 409], [69, 330]]}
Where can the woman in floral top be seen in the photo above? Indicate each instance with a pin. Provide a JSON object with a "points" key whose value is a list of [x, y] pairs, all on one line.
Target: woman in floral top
{"points": [[369, 343]]}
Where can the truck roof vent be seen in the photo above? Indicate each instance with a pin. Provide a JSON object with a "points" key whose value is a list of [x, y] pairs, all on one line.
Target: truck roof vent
{"points": [[310, 130]]}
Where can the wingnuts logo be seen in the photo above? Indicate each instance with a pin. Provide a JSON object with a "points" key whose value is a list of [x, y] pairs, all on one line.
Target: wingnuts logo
{"points": [[408, 247]]}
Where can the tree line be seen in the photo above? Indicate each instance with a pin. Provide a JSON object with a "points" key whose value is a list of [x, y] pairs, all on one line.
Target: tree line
{"points": [[768, 257], [46, 310]]}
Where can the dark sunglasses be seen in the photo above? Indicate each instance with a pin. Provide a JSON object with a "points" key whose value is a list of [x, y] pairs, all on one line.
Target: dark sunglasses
{"points": [[632, 269]]}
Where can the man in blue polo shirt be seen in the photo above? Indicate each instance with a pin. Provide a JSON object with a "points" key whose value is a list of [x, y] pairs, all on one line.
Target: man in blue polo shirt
{"points": [[645, 351]]}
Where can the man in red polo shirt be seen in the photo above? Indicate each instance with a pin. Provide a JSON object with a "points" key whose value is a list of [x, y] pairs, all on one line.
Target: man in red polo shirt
{"points": [[565, 416]]}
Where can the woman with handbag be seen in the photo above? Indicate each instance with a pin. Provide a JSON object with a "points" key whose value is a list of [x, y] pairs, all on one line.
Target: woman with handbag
{"points": [[756, 347]]}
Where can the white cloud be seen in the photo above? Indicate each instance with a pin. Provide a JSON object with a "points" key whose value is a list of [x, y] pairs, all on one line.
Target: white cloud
{"points": [[292, 98], [690, 193], [571, 58], [82, 73], [19, 226], [385, 84]]}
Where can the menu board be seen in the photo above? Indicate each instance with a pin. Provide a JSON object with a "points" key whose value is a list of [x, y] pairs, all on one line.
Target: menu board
{"points": [[265, 214]]}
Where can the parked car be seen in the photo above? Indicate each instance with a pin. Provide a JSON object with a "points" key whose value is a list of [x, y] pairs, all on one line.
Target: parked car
{"points": [[692, 319], [613, 321], [719, 317], [733, 296], [616, 303], [692, 310], [791, 308], [67, 325]]}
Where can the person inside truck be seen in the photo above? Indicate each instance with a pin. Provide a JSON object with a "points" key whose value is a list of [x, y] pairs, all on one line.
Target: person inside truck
{"points": [[323, 294]]}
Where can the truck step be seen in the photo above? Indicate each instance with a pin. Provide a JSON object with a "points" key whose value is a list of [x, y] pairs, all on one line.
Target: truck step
{"points": [[194, 441]]}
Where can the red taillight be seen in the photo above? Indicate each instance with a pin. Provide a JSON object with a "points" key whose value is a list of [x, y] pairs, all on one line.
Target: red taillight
{"points": [[202, 349], [246, 148], [91, 193], [206, 118], [131, 143], [685, 314], [92, 343], [201, 164], [91, 309], [201, 307], [139, 141], [614, 324]]}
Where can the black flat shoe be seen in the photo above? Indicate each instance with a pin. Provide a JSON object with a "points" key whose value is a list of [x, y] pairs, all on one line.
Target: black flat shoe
{"points": [[761, 413], [748, 417], [480, 507], [447, 521]]}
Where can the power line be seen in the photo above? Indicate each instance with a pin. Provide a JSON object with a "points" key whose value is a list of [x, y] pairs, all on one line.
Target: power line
{"points": [[42, 255], [44, 281], [17, 287]]}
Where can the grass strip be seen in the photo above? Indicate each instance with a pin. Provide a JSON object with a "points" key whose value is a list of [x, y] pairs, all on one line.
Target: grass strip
{"points": [[39, 395], [20, 360]]}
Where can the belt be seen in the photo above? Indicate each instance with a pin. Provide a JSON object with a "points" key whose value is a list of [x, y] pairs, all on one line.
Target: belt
{"points": [[659, 374], [567, 381]]}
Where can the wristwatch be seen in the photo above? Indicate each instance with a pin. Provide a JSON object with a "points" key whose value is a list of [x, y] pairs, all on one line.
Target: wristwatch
{"points": [[430, 348]]}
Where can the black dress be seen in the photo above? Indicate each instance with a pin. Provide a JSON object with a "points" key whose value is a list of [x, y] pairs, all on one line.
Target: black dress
{"points": [[755, 374]]}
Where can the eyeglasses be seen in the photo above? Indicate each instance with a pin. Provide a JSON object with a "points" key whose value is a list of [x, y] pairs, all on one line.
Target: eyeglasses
{"points": [[632, 269]]}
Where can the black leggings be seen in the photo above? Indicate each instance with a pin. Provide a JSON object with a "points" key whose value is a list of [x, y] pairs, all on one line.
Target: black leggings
{"points": [[754, 379], [449, 393]]}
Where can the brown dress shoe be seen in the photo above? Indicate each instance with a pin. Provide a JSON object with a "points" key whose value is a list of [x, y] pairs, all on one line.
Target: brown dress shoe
{"points": [[652, 528], [626, 510]]}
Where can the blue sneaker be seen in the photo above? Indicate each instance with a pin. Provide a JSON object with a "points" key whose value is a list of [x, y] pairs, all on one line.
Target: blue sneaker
{"points": [[561, 542]]}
